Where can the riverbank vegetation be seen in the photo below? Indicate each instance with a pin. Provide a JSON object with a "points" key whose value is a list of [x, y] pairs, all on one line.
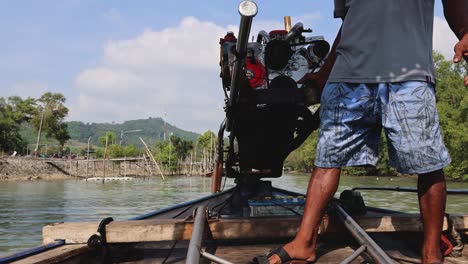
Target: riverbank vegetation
{"points": [[452, 104]]}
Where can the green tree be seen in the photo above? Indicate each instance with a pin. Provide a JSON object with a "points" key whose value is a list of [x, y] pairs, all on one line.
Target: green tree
{"points": [[13, 112], [171, 152], [114, 151], [130, 151], [49, 116], [302, 159], [452, 105], [181, 147], [110, 139], [207, 140], [61, 134]]}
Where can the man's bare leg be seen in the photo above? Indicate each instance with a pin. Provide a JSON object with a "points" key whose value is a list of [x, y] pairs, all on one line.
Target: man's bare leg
{"points": [[322, 186], [432, 196]]}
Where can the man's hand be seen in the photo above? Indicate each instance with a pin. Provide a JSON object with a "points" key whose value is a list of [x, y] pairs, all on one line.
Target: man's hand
{"points": [[313, 86], [461, 51]]}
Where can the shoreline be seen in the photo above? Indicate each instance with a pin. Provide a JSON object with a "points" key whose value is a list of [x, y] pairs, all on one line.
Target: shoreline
{"points": [[30, 169]]}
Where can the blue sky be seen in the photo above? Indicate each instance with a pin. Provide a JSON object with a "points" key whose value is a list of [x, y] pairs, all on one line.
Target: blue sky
{"points": [[120, 60]]}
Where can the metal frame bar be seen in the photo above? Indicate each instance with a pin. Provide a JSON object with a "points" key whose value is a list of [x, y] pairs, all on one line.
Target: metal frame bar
{"points": [[361, 236], [194, 249], [200, 231], [355, 254]]}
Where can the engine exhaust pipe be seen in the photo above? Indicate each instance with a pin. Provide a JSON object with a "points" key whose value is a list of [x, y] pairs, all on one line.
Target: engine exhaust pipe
{"points": [[247, 10], [287, 23]]}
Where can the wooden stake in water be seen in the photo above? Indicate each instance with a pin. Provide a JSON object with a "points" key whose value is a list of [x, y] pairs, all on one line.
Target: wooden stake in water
{"points": [[104, 160], [87, 159], [152, 158]]}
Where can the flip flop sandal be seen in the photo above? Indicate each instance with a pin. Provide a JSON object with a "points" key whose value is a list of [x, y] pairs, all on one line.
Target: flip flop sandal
{"points": [[282, 254]]}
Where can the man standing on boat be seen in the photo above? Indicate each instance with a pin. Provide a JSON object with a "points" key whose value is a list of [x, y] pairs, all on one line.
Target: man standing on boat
{"points": [[380, 74]]}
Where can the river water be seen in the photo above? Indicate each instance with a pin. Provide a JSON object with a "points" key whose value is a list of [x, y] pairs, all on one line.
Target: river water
{"points": [[27, 206]]}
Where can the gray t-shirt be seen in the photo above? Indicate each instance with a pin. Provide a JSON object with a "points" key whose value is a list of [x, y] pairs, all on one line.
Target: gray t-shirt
{"points": [[385, 41]]}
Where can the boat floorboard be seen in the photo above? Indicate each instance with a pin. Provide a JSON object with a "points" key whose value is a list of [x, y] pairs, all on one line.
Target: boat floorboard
{"points": [[243, 253]]}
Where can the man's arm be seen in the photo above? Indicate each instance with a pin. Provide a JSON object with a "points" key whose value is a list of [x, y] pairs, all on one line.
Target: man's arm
{"points": [[315, 82], [456, 13], [321, 77]]}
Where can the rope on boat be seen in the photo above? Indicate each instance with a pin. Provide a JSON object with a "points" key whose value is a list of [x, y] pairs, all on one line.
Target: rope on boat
{"points": [[454, 238], [98, 241]]}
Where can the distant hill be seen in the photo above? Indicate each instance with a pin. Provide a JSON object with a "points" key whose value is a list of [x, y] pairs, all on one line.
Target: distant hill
{"points": [[152, 130]]}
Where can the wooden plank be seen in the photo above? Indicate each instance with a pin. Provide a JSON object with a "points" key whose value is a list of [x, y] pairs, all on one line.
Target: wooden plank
{"points": [[55, 255], [250, 228], [120, 232]]}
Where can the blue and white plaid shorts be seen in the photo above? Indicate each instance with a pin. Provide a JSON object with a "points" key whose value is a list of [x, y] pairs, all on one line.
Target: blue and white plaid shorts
{"points": [[352, 116]]}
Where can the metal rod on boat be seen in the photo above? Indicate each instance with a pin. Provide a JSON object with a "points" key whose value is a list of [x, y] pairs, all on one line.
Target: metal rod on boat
{"points": [[214, 258], [361, 236], [406, 189], [248, 10], [355, 254], [194, 250]]}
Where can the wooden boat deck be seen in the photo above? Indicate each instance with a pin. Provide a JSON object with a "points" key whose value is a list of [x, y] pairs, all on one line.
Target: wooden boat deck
{"points": [[163, 237]]}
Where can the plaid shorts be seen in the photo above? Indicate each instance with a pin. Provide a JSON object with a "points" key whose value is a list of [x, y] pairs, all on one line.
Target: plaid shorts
{"points": [[353, 115]]}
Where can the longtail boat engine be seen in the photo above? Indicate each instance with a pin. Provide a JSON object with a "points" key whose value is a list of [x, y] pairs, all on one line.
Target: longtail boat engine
{"points": [[268, 100]]}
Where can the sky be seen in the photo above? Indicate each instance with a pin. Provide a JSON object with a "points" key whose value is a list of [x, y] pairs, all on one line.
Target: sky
{"points": [[121, 60]]}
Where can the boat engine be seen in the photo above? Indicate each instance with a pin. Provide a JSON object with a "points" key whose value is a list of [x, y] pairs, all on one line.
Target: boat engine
{"points": [[268, 95], [279, 53]]}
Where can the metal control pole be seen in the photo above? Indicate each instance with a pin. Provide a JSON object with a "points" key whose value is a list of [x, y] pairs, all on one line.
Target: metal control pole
{"points": [[248, 10], [194, 249]]}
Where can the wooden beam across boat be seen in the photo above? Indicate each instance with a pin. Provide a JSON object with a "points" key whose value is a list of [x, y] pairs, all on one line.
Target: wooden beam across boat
{"points": [[227, 229]]}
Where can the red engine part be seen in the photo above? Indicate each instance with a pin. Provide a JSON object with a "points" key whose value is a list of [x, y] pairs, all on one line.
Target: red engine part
{"points": [[278, 34], [255, 72]]}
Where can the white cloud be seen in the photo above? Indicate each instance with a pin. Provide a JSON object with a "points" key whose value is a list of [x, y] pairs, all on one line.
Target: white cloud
{"points": [[174, 70], [444, 38]]}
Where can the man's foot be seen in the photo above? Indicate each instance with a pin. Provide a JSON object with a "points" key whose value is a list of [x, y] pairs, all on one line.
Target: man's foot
{"points": [[432, 256], [298, 254]]}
